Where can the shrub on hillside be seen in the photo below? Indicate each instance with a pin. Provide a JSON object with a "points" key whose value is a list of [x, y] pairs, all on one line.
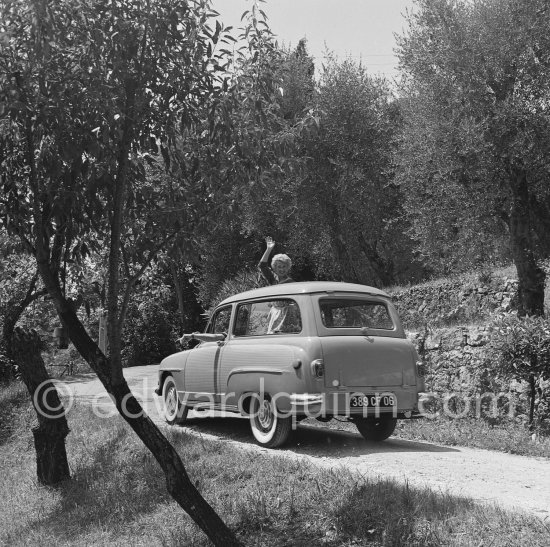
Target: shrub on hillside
{"points": [[519, 350], [447, 302]]}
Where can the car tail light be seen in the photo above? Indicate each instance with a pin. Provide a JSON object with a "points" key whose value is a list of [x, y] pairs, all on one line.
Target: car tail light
{"points": [[318, 368], [421, 369]]}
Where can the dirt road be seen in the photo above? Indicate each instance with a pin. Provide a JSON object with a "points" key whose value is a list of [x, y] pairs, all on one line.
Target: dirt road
{"points": [[490, 477]]}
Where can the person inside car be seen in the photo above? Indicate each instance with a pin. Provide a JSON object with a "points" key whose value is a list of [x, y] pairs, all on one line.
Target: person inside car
{"points": [[274, 275], [280, 265]]}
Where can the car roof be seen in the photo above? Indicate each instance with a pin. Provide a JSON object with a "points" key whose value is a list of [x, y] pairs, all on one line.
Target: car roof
{"points": [[304, 287]]}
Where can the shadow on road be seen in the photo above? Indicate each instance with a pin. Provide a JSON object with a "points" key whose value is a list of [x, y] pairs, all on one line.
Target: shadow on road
{"points": [[314, 441]]}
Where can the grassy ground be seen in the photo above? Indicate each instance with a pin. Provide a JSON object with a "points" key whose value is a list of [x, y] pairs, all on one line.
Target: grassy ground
{"points": [[117, 497], [14, 410], [513, 438]]}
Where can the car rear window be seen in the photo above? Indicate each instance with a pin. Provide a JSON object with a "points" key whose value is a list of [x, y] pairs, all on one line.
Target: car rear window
{"points": [[268, 317], [339, 313]]}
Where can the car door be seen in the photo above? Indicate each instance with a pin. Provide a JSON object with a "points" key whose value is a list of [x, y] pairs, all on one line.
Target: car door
{"points": [[259, 346], [203, 364]]}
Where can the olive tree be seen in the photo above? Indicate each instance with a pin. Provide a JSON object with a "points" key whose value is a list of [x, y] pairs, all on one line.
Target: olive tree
{"points": [[476, 128], [345, 188]]}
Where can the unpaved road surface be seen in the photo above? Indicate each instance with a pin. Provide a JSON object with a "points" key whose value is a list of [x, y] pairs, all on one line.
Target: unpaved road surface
{"points": [[516, 482]]}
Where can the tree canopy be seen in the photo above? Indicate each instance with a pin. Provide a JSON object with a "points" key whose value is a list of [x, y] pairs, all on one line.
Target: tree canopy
{"points": [[474, 150]]}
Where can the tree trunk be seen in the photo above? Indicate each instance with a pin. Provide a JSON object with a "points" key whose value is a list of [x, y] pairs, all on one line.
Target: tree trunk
{"points": [[345, 261], [179, 292], [178, 483], [532, 396], [382, 270], [52, 466], [530, 276]]}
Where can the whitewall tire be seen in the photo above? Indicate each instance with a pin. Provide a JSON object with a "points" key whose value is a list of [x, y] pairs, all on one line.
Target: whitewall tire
{"points": [[174, 411], [269, 429]]}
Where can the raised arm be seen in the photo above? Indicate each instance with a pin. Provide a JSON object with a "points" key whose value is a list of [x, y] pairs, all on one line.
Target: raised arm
{"points": [[263, 265]]}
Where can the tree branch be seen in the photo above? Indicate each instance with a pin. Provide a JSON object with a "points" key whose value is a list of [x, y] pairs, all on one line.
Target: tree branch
{"points": [[42, 241], [133, 280]]}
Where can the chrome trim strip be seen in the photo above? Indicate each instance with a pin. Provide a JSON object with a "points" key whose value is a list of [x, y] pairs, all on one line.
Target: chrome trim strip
{"points": [[277, 372]]}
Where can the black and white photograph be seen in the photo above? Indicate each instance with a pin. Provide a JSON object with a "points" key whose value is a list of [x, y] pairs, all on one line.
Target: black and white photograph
{"points": [[275, 273]]}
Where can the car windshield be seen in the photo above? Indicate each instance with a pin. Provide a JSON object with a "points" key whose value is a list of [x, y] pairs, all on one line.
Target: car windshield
{"points": [[220, 321], [354, 313]]}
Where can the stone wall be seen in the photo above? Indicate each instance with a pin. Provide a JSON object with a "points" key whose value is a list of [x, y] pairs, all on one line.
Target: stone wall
{"points": [[456, 372], [452, 302], [453, 357], [449, 321]]}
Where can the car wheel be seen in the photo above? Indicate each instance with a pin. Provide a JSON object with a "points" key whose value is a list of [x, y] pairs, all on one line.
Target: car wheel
{"points": [[376, 429], [174, 411], [269, 429]]}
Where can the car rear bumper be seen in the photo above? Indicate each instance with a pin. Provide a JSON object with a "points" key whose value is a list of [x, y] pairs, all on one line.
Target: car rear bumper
{"points": [[340, 404]]}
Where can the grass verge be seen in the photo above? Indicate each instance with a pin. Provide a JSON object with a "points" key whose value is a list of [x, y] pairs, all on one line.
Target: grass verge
{"points": [[15, 409], [117, 497], [512, 438]]}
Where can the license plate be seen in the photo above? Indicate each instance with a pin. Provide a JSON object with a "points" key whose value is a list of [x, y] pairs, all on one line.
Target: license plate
{"points": [[372, 401]]}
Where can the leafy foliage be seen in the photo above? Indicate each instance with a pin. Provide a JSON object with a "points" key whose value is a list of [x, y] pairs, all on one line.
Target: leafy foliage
{"points": [[245, 280], [523, 345], [333, 198], [473, 153], [90, 91], [149, 333], [520, 350], [8, 367], [87, 120], [19, 288], [260, 157], [345, 191]]}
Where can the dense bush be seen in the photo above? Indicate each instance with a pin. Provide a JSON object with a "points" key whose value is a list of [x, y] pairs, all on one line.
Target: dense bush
{"points": [[149, 334], [243, 281], [520, 350]]}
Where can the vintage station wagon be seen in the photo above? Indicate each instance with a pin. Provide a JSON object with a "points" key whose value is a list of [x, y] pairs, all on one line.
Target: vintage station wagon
{"points": [[297, 350]]}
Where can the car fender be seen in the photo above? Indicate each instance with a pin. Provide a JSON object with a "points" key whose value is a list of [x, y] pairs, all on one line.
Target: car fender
{"points": [[173, 365], [278, 383]]}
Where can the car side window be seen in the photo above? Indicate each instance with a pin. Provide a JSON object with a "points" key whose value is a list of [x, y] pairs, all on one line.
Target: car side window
{"points": [[220, 321], [268, 317]]}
